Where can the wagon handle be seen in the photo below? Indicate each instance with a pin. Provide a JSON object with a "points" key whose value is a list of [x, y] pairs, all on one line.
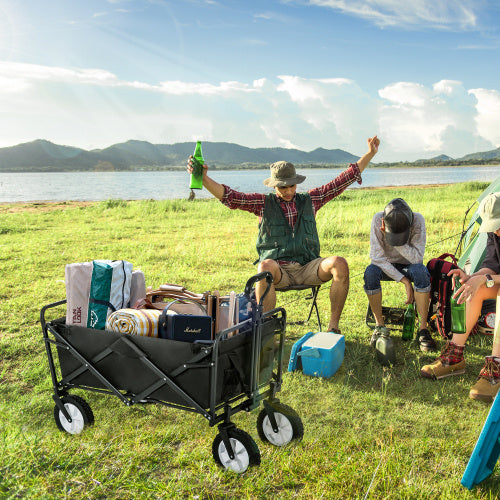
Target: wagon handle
{"points": [[251, 282], [42, 312]]}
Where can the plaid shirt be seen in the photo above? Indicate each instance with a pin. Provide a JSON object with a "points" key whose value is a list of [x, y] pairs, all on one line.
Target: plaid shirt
{"points": [[254, 202]]}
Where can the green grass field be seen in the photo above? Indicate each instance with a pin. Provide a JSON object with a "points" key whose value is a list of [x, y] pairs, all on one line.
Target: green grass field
{"points": [[369, 431]]}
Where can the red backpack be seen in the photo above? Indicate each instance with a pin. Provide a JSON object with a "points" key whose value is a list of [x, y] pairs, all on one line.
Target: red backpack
{"points": [[441, 292]]}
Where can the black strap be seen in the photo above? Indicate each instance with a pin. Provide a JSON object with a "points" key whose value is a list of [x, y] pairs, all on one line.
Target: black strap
{"points": [[103, 303]]}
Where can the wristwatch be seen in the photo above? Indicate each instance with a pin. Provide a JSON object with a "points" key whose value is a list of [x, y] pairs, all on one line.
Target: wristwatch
{"points": [[489, 281]]}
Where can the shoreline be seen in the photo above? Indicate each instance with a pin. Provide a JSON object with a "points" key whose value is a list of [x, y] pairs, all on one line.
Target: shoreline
{"points": [[47, 205], [260, 168]]}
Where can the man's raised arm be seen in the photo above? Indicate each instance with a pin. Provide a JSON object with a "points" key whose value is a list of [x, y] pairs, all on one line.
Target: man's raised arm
{"points": [[209, 184], [373, 144]]}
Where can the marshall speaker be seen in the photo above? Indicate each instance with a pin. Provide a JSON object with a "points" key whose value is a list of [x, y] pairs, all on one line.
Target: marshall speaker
{"points": [[184, 327]]}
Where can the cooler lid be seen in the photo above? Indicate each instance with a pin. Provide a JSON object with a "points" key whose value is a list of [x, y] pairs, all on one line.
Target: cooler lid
{"points": [[324, 340], [292, 364]]}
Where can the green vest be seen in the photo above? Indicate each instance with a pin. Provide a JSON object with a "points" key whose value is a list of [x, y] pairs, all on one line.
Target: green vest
{"points": [[278, 241]]}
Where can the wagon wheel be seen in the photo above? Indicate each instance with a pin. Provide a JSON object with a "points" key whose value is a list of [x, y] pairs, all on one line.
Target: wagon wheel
{"points": [[79, 411], [245, 449], [288, 422]]}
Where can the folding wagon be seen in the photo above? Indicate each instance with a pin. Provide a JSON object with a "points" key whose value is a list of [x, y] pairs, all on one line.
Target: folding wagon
{"points": [[215, 379]]}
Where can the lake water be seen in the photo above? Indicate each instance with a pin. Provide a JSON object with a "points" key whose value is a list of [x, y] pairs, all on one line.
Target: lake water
{"points": [[96, 186]]}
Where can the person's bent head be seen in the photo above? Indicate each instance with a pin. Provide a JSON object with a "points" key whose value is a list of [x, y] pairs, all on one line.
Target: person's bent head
{"points": [[397, 220]]}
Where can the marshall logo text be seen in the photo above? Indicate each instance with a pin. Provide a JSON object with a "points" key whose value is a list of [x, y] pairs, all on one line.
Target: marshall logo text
{"points": [[192, 330]]}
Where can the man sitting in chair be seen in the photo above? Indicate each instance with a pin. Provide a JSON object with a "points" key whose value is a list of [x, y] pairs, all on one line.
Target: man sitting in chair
{"points": [[397, 245], [288, 242]]}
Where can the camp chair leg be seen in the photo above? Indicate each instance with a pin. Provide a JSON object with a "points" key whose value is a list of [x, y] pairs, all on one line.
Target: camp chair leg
{"points": [[369, 318], [312, 296], [314, 305]]}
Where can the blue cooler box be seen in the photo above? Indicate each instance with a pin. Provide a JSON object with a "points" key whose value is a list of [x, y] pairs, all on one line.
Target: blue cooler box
{"points": [[321, 354]]}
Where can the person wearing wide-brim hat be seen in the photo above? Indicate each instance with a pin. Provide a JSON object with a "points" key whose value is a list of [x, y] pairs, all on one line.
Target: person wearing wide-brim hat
{"points": [[474, 290], [288, 243]]}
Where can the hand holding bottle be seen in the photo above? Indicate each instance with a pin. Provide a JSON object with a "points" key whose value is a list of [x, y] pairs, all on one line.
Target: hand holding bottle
{"points": [[468, 288], [209, 184], [191, 164], [196, 168], [458, 276]]}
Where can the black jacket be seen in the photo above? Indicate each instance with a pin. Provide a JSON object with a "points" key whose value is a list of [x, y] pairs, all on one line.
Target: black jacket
{"points": [[492, 257]]}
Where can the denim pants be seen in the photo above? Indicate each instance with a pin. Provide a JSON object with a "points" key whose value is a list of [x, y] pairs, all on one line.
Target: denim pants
{"points": [[417, 273]]}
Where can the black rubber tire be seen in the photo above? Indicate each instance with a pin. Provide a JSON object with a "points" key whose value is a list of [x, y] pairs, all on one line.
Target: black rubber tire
{"points": [[80, 412], [290, 425], [247, 452]]}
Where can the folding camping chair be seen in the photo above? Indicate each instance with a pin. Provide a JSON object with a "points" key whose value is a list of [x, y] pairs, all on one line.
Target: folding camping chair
{"points": [[312, 297], [392, 315]]}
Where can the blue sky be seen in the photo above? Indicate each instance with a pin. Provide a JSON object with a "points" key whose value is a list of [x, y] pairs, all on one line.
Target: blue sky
{"points": [[423, 75]]}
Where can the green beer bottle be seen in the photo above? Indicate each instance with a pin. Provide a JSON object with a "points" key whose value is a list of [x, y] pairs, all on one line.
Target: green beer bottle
{"points": [[408, 323], [457, 312], [197, 175]]}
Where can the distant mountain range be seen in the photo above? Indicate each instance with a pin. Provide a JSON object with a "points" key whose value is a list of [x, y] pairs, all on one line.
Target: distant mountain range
{"points": [[439, 158], [131, 155], [45, 156], [484, 155]]}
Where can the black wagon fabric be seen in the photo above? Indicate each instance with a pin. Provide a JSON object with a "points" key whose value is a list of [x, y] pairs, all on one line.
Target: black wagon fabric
{"points": [[119, 362]]}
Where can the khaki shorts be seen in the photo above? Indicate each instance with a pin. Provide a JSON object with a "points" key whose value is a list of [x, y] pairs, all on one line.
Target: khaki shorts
{"points": [[295, 274]]}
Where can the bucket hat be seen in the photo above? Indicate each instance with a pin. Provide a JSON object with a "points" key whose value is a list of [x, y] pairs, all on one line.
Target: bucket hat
{"points": [[283, 174], [398, 218], [489, 211]]}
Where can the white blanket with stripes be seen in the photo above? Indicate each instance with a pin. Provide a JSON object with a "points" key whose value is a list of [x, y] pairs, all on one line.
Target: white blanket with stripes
{"points": [[134, 321]]}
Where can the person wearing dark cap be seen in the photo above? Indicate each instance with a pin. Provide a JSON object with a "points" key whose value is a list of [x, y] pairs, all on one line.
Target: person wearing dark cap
{"points": [[288, 243], [397, 245], [476, 288]]}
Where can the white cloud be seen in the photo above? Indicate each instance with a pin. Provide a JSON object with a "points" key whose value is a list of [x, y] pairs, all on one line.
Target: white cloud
{"points": [[21, 75], [264, 15], [488, 114], [405, 94], [204, 89], [12, 85], [275, 16], [302, 89], [94, 108], [422, 122], [31, 73], [331, 108], [443, 14]]}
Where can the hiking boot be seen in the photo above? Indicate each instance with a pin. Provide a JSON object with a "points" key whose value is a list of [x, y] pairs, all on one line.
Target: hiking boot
{"points": [[379, 331], [486, 388], [425, 340], [450, 362]]}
